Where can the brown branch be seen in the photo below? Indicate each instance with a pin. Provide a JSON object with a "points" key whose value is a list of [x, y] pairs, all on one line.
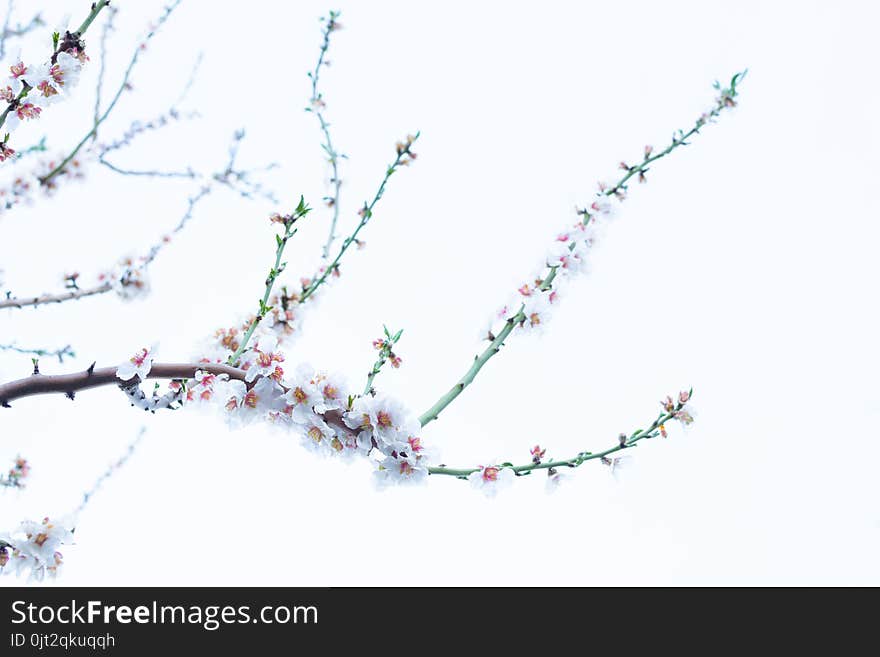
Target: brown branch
{"points": [[17, 302], [70, 384]]}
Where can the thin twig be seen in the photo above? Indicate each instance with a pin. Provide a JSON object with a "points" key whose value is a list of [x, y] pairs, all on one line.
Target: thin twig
{"points": [[404, 156], [317, 107], [111, 470], [288, 222], [99, 87], [122, 87], [60, 354], [18, 31], [45, 299]]}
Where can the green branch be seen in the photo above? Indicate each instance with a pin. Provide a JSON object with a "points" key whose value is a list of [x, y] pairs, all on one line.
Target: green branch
{"points": [[726, 98], [280, 243], [386, 352], [624, 442], [404, 157]]}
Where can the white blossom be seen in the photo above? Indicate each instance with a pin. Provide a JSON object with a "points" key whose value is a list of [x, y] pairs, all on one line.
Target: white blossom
{"points": [[34, 547], [139, 365], [490, 478]]}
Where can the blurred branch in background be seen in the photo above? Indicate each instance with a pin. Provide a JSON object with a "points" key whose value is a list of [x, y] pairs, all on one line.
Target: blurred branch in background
{"points": [[19, 30], [128, 278], [62, 353]]}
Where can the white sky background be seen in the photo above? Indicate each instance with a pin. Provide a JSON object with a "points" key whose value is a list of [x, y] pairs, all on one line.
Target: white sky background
{"points": [[746, 267]]}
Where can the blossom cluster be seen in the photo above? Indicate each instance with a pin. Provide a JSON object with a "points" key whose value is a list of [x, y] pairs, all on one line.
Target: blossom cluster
{"points": [[320, 407], [31, 88], [683, 411], [33, 548]]}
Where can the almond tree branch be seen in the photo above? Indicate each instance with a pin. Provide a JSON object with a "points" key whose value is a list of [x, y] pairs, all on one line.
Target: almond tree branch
{"points": [[122, 87], [725, 100], [386, 353], [404, 157], [147, 173], [289, 222], [70, 384], [317, 106], [45, 299], [93, 14], [92, 377], [624, 442], [232, 178]]}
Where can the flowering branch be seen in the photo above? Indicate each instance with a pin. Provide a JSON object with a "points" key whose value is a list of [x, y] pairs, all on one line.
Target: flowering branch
{"points": [[404, 157], [287, 221], [33, 547], [94, 377], [51, 78], [385, 346], [122, 87], [539, 294], [677, 411], [317, 106]]}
